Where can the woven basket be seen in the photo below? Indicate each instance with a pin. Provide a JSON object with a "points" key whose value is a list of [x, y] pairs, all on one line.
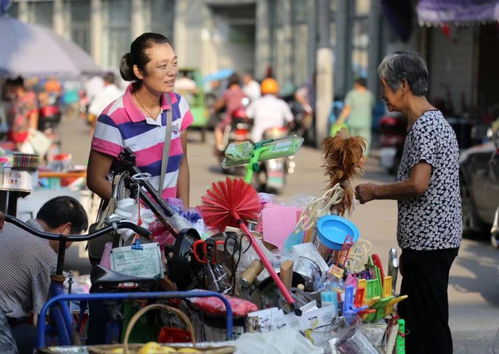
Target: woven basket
{"points": [[134, 348]]}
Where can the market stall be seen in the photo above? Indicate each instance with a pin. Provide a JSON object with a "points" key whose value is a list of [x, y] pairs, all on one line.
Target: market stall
{"points": [[298, 276]]}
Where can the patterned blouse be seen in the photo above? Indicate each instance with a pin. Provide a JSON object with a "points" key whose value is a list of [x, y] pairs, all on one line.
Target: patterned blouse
{"points": [[432, 220]]}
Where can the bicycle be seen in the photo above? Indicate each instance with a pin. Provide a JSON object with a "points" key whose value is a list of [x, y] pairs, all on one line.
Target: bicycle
{"points": [[63, 326]]}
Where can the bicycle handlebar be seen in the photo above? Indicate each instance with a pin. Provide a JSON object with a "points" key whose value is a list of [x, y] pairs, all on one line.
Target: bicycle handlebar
{"points": [[58, 237]]}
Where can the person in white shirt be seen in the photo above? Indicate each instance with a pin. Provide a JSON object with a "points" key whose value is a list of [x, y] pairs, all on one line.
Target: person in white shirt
{"points": [[101, 100], [251, 88], [94, 86], [110, 93], [268, 111]]}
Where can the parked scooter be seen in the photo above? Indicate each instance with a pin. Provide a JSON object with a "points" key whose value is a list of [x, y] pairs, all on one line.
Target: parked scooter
{"points": [[392, 128]]}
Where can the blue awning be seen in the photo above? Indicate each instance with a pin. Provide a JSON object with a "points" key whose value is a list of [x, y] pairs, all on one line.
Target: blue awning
{"points": [[457, 12]]}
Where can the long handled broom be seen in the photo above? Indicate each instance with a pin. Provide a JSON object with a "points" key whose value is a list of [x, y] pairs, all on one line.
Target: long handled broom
{"points": [[230, 203]]}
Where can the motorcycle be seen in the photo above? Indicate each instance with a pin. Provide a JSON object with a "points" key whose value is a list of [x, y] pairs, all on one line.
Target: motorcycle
{"points": [[274, 171], [392, 128], [238, 131]]}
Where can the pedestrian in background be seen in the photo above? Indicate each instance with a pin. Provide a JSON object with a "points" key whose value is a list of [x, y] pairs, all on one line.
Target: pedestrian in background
{"points": [[268, 111], [22, 113], [306, 95], [358, 112], [109, 93], [251, 88], [429, 206], [231, 100]]}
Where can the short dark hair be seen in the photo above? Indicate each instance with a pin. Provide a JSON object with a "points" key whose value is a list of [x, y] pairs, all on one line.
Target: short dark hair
{"points": [[234, 79], [138, 56], [361, 81], [109, 77], [61, 210], [409, 66], [15, 82]]}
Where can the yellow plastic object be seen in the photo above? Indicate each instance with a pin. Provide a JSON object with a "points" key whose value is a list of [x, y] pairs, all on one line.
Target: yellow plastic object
{"points": [[150, 348], [361, 284], [387, 286], [392, 303], [372, 301]]}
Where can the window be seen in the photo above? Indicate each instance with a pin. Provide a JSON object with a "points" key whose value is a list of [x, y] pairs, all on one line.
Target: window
{"points": [[42, 12], [162, 17], [79, 11], [13, 10], [301, 41], [360, 38], [117, 43], [333, 10]]}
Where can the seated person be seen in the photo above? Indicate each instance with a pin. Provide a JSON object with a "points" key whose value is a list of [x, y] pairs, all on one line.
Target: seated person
{"points": [[26, 263]]}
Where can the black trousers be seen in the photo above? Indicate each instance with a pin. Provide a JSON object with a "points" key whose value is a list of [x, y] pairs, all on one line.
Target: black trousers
{"points": [[26, 336], [425, 277]]}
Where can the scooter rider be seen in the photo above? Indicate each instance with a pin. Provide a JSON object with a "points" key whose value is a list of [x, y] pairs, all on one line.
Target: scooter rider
{"points": [[268, 111]]}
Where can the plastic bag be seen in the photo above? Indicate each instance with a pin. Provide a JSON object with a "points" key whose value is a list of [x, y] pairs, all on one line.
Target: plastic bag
{"points": [[215, 306], [283, 341]]}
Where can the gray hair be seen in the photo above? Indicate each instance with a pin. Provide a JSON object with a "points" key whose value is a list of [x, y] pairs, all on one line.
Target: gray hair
{"points": [[409, 66]]}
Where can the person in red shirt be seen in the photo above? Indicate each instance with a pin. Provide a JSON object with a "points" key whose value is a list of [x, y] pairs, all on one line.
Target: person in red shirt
{"points": [[22, 114], [232, 100]]}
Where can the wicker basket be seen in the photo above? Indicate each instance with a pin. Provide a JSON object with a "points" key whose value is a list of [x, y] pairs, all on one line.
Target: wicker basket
{"points": [[134, 348]]}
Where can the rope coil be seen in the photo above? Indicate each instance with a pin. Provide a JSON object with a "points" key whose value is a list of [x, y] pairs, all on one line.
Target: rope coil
{"points": [[319, 207]]}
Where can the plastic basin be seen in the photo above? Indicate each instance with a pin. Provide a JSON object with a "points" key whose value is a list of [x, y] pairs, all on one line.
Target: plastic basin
{"points": [[333, 229]]}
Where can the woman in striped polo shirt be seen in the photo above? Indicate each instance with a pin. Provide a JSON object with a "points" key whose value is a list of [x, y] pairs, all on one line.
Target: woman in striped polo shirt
{"points": [[137, 120]]}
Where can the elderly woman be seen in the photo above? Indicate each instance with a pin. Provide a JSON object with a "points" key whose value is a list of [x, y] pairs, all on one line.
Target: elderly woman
{"points": [[429, 208]]}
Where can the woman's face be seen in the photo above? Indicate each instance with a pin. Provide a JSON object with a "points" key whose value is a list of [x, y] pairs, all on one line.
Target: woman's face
{"points": [[161, 70], [393, 99]]}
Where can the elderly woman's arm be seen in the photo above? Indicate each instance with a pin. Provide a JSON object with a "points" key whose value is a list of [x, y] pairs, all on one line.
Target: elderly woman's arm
{"points": [[183, 182], [98, 168], [415, 185]]}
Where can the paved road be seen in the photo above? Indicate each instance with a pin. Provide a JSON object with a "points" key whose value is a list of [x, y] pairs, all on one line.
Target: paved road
{"points": [[474, 280]]}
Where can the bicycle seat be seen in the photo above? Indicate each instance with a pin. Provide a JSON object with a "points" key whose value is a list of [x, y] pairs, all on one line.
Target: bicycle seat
{"points": [[110, 277]]}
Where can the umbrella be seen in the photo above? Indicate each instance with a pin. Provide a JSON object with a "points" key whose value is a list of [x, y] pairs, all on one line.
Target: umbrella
{"points": [[31, 50], [219, 75]]}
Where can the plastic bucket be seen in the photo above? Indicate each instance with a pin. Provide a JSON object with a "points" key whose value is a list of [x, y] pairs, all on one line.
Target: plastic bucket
{"points": [[333, 229]]}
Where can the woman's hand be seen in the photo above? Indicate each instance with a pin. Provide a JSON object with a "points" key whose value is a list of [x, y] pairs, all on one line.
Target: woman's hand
{"points": [[365, 192]]}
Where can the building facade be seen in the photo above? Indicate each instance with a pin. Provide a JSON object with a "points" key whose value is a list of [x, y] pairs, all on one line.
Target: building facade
{"points": [[104, 28], [281, 37]]}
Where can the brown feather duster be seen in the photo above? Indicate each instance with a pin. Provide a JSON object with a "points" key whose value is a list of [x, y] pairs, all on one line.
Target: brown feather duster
{"points": [[343, 157]]}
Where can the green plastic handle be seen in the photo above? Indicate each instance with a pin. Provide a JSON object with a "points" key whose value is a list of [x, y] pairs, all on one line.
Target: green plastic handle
{"points": [[400, 343]]}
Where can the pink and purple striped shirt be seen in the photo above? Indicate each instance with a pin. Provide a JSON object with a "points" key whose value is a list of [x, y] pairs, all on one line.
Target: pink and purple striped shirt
{"points": [[122, 124]]}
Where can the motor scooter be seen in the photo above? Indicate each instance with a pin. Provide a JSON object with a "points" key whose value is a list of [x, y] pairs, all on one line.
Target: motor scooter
{"points": [[239, 131], [392, 128], [272, 176]]}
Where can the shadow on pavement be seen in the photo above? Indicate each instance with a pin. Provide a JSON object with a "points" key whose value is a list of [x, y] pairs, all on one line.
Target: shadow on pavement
{"points": [[484, 266]]}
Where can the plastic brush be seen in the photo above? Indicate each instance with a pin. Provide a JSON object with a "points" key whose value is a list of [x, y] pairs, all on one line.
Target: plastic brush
{"points": [[230, 203]]}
